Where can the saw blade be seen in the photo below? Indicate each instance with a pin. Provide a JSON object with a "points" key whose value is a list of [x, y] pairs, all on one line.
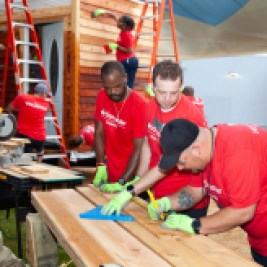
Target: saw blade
{"points": [[8, 126]]}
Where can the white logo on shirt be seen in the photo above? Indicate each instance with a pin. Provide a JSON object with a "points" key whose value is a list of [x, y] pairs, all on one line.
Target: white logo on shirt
{"points": [[35, 105], [112, 120]]}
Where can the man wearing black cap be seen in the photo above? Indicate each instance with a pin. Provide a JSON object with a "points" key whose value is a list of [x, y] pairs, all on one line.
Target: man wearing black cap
{"points": [[31, 113], [231, 160]]}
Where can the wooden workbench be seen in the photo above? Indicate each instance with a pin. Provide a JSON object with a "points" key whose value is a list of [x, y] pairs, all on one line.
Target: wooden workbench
{"points": [[139, 243]]}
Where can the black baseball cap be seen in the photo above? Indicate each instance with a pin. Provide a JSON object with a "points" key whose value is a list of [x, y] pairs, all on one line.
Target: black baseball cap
{"points": [[176, 136]]}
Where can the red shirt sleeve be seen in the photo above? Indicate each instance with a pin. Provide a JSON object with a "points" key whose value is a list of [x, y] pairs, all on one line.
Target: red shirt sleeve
{"points": [[126, 39], [99, 104]]}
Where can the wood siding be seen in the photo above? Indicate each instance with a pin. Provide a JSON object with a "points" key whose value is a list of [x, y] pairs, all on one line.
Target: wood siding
{"points": [[94, 33]]}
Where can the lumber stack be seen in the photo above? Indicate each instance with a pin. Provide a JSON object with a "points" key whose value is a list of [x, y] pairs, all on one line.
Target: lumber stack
{"points": [[139, 243]]}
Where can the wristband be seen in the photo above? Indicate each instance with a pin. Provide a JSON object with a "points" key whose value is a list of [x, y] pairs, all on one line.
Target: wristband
{"points": [[196, 225], [130, 189], [121, 181], [100, 164]]}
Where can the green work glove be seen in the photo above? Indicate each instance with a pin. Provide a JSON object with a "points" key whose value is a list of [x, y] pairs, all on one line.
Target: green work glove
{"points": [[111, 188], [116, 204], [150, 91], [164, 206], [136, 179], [113, 46], [101, 176], [98, 12], [179, 222]]}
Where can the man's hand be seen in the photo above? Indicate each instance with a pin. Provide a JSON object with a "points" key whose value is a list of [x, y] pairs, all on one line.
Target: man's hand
{"points": [[101, 176], [111, 188], [164, 206], [179, 222], [116, 204], [97, 13], [113, 46]]}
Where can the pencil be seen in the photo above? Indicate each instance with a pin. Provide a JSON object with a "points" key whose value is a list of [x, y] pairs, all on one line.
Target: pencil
{"points": [[154, 202]]}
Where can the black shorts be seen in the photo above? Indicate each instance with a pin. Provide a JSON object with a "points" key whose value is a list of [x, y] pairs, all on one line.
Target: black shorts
{"points": [[36, 145]]}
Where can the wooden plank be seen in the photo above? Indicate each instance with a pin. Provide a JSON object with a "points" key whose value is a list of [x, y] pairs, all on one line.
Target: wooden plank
{"points": [[206, 248], [35, 169], [90, 244]]}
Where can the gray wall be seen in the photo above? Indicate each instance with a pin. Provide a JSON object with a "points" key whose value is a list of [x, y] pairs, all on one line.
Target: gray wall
{"points": [[230, 100]]}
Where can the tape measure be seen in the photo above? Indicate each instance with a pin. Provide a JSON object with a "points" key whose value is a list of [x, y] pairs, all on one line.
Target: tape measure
{"points": [[110, 265]]}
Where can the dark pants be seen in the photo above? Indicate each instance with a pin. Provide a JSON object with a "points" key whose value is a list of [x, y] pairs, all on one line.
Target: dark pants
{"points": [[262, 260], [35, 144], [130, 66]]}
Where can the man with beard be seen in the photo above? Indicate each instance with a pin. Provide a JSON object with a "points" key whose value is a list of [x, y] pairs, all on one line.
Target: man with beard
{"points": [[120, 128]]}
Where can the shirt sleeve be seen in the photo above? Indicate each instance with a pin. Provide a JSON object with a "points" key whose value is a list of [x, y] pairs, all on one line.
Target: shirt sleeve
{"points": [[140, 120], [99, 102], [16, 103], [242, 177]]}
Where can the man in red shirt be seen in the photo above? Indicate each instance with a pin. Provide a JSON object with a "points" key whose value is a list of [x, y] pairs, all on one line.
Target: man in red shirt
{"points": [[168, 103], [197, 101], [86, 136], [120, 128], [31, 113], [232, 163]]}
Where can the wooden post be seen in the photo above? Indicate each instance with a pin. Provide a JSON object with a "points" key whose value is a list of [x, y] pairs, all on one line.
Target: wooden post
{"points": [[41, 247]]}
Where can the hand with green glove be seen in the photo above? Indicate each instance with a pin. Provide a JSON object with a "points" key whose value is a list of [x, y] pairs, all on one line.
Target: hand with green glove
{"points": [[116, 204], [179, 222], [111, 188], [113, 46], [97, 13], [164, 205], [136, 179], [101, 176]]}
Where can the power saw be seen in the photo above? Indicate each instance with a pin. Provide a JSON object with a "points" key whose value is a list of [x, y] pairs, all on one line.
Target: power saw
{"points": [[8, 125]]}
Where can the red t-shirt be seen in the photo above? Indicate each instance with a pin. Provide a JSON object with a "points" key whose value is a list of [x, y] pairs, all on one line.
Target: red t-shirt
{"points": [[237, 176], [122, 123], [198, 102], [125, 39], [31, 113], [172, 182], [88, 134]]}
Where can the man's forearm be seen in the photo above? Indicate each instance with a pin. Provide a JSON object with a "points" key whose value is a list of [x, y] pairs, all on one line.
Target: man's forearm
{"points": [[226, 219]]}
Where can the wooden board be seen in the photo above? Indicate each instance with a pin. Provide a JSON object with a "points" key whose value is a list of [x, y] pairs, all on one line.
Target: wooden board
{"points": [[198, 250], [36, 169], [89, 242]]}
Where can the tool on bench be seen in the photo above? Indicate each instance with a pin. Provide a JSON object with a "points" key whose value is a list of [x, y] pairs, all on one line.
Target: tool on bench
{"points": [[95, 214], [11, 150], [154, 202], [8, 126], [110, 265]]}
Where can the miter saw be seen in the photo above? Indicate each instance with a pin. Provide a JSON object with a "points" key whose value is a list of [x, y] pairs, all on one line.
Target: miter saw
{"points": [[11, 149]]}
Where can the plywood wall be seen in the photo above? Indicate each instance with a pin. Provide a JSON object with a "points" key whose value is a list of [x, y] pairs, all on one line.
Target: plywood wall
{"points": [[94, 33]]}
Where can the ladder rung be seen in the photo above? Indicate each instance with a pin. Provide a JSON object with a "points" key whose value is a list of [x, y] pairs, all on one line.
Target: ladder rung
{"points": [[150, 17], [166, 20], [146, 33], [144, 67], [28, 61], [165, 39], [49, 137], [26, 43], [166, 55], [54, 156], [16, 6], [20, 24], [50, 118], [29, 80], [153, 1], [140, 84]]}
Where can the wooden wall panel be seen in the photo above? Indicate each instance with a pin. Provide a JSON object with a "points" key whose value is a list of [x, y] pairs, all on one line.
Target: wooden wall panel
{"points": [[94, 33]]}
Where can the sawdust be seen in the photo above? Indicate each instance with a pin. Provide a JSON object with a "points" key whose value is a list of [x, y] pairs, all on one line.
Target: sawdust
{"points": [[235, 239]]}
